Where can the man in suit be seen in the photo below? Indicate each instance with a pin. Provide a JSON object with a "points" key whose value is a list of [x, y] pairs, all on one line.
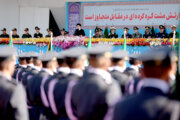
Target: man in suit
{"points": [[38, 34], [12, 98], [26, 34], [75, 59], [96, 91], [162, 33], [119, 59], [14, 34], [4, 33], [172, 33], [127, 33], [79, 31], [147, 33], [33, 84], [152, 103]]}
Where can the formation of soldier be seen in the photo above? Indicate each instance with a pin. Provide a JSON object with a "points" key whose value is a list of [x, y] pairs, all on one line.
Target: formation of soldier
{"points": [[60, 86]]}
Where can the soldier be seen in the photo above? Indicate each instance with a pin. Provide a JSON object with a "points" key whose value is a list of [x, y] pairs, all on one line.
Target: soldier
{"points": [[26, 34], [127, 34], [38, 34], [14, 34], [96, 91], [75, 59], [136, 33], [12, 97], [100, 33], [147, 33], [33, 84], [79, 31], [4, 34], [173, 29], [119, 59], [96, 35], [162, 33], [112, 33], [152, 102], [49, 33]]}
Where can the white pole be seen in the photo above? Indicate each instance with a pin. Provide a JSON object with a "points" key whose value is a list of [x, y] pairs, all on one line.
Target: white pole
{"points": [[174, 37], [11, 38]]}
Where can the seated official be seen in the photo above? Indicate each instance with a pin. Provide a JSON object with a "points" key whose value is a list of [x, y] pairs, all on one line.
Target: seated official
{"points": [[147, 33], [100, 33], [112, 33], [176, 33], [26, 34], [127, 33], [49, 33], [136, 33], [4, 34], [162, 33], [38, 34], [14, 34], [79, 31], [62, 32], [96, 35]]}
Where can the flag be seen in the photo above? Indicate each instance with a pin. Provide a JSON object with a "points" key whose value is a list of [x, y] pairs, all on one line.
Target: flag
{"points": [[50, 44], [11, 41], [124, 46], [106, 34], [153, 32], [90, 41]]}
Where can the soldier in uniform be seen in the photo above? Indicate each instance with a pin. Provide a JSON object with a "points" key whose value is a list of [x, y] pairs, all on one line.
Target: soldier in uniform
{"points": [[38, 34], [100, 33], [26, 34], [12, 98], [173, 29], [4, 34], [79, 31], [14, 34], [136, 33], [112, 33], [49, 33], [119, 59], [96, 91], [127, 33], [162, 33], [152, 102], [96, 35], [147, 33], [33, 84], [75, 59]]}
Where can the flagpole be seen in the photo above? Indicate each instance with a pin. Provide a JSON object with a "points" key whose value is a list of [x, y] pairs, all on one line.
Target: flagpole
{"points": [[51, 41], [124, 46], [11, 44], [174, 37], [89, 42]]}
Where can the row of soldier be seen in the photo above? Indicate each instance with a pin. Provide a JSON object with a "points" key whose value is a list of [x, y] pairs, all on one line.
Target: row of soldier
{"points": [[61, 87]]}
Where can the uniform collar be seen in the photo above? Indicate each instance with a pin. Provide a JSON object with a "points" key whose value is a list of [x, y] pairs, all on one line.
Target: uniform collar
{"points": [[31, 65], [104, 74], [134, 68], [64, 70], [156, 83], [120, 69], [76, 72], [48, 71], [24, 66], [36, 68]]}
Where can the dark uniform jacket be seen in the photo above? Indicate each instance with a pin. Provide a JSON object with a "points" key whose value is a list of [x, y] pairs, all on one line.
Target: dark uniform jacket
{"points": [[38, 35], [137, 35], [26, 36], [131, 72], [151, 103], [147, 35], [4, 36], [162, 35], [113, 35], [171, 35], [79, 32], [127, 36], [12, 100], [93, 94], [15, 36]]}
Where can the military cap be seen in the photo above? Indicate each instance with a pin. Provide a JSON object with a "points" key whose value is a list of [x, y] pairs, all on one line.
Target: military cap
{"points": [[125, 28], [147, 27], [100, 50], [33, 54], [112, 28], [47, 57], [14, 29], [135, 28], [26, 29], [7, 52], [78, 24], [23, 55], [97, 30], [4, 29], [62, 29], [120, 54], [76, 52], [173, 26], [66, 33], [159, 56], [37, 28], [161, 27]]}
